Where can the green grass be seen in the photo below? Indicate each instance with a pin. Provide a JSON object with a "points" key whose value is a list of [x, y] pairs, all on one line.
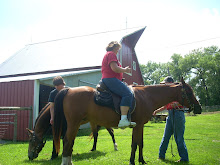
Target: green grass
{"points": [[202, 137]]}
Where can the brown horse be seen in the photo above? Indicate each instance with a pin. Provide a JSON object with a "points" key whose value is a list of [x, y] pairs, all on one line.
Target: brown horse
{"points": [[77, 106], [42, 128]]}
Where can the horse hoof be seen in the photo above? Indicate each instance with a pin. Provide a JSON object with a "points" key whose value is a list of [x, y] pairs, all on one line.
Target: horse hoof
{"points": [[116, 147], [142, 162], [67, 160]]}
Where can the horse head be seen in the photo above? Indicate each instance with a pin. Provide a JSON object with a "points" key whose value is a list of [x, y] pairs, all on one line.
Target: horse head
{"points": [[35, 145], [188, 98]]}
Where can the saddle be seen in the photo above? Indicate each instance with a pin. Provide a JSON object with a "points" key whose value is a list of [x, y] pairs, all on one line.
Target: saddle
{"points": [[104, 97]]}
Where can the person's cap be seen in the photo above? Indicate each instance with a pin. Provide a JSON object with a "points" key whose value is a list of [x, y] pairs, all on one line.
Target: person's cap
{"points": [[168, 79]]}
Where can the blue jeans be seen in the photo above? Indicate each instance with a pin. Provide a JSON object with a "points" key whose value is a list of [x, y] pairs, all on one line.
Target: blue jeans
{"points": [[118, 87], [175, 124]]}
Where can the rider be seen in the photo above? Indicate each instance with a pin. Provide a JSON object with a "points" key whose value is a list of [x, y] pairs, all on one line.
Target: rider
{"points": [[59, 84], [175, 124], [112, 74]]}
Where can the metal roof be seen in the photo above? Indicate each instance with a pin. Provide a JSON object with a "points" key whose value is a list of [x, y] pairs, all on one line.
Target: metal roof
{"points": [[73, 52]]}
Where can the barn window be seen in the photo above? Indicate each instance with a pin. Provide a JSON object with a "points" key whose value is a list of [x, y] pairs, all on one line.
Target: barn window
{"points": [[134, 65]]}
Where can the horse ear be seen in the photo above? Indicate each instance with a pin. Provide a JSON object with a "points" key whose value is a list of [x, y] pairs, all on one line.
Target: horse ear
{"points": [[30, 132], [182, 81]]}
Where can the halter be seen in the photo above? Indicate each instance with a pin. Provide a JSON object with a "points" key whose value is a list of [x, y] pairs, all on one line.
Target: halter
{"points": [[39, 146], [185, 96]]}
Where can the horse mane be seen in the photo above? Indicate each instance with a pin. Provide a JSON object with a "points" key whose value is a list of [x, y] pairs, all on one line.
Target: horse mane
{"points": [[155, 85], [41, 112]]}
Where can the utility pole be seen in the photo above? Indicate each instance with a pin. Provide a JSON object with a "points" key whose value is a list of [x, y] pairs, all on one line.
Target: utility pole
{"points": [[126, 25]]}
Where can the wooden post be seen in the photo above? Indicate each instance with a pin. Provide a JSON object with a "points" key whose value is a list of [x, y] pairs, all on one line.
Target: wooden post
{"points": [[30, 118], [15, 128]]}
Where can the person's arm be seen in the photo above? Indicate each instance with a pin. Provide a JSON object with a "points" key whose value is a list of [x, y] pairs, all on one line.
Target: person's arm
{"points": [[51, 112], [119, 69], [159, 110]]}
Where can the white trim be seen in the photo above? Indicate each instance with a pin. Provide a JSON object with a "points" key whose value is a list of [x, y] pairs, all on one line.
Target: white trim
{"points": [[47, 76], [36, 100], [134, 65]]}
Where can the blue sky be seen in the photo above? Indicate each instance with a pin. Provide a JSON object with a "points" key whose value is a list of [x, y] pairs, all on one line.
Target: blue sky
{"points": [[171, 24]]}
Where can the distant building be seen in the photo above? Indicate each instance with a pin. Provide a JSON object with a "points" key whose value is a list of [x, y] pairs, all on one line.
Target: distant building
{"points": [[26, 77]]}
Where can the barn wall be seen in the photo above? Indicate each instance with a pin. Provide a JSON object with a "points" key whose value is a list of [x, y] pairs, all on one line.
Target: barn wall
{"points": [[78, 79], [87, 79], [19, 94], [128, 57]]}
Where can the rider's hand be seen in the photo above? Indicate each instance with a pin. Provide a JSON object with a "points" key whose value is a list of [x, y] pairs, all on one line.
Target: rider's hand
{"points": [[128, 70]]}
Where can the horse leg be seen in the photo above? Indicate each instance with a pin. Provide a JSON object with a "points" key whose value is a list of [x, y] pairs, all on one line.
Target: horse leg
{"points": [[54, 154], [111, 132], [68, 143], [95, 136], [137, 140], [141, 145]]}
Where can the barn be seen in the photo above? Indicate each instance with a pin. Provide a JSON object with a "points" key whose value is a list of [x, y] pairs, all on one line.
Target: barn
{"points": [[26, 77]]}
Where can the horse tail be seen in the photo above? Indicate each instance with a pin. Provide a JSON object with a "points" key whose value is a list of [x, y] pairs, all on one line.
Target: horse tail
{"points": [[59, 118]]}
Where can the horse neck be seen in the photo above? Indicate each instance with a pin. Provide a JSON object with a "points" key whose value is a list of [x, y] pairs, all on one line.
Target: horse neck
{"points": [[162, 95], [42, 124]]}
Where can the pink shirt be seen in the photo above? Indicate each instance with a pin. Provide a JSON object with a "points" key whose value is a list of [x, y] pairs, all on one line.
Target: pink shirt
{"points": [[107, 72]]}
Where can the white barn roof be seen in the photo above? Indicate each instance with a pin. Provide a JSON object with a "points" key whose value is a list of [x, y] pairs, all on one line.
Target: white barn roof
{"points": [[73, 52]]}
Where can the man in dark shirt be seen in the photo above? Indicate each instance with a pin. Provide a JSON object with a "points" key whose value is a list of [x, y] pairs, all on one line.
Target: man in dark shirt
{"points": [[59, 84]]}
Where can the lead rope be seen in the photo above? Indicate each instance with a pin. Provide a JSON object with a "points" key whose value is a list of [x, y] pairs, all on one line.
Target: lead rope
{"points": [[174, 128], [173, 134]]}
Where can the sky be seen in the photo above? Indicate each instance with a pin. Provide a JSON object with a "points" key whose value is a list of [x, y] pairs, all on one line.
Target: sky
{"points": [[172, 26]]}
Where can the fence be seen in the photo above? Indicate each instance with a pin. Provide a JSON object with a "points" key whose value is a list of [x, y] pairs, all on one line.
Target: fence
{"points": [[211, 108], [9, 116]]}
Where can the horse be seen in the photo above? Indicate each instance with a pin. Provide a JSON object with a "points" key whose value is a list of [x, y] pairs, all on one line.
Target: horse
{"points": [[42, 128], [77, 106]]}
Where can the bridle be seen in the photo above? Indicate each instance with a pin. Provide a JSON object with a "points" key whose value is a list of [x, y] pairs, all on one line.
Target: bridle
{"points": [[40, 145], [185, 96]]}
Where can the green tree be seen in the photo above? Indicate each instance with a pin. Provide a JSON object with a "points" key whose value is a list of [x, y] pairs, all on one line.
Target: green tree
{"points": [[153, 73], [201, 68], [174, 67]]}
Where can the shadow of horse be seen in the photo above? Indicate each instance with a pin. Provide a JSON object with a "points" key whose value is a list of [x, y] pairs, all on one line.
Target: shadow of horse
{"points": [[88, 155]]}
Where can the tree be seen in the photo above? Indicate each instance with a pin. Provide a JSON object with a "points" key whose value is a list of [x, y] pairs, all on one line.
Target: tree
{"points": [[153, 73], [174, 67], [201, 69]]}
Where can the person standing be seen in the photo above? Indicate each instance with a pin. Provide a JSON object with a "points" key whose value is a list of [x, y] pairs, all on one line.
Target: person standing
{"points": [[175, 124], [59, 84], [112, 74]]}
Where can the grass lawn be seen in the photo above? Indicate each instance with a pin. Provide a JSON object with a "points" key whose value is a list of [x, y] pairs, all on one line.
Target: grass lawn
{"points": [[202, 137]]}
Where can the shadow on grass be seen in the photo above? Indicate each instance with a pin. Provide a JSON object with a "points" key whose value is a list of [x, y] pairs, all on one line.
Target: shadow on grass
{"points": [[44, 161], [76, 157], [88, 155], [167, 161]]}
